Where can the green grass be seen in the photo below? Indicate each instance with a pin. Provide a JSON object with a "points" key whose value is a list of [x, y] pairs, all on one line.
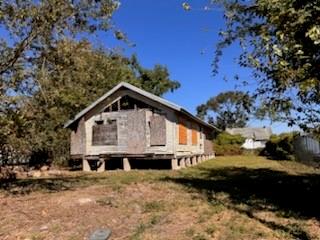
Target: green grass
{"points": [[221, 169], [143, 227], [154, 206], [243, 187]]}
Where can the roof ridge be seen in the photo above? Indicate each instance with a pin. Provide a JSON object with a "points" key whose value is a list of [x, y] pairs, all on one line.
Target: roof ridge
{"points": [[142, 92]]}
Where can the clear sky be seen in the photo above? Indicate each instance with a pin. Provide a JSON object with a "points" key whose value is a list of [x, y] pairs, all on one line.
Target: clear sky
{"points": [[184, 41]]}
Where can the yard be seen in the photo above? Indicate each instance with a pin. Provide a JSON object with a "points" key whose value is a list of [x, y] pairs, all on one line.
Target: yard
{"points": [[243, 197]]}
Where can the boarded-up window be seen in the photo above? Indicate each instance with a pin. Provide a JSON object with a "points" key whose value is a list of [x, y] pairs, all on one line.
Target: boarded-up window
{"points": [[183, 137], [157, 131], [194, 135], [105, 134]]}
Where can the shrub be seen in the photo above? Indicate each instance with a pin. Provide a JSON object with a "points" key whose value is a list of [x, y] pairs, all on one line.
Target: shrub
{"points": [[280, 147], [225, 138], [7, 174], [226, 144]]}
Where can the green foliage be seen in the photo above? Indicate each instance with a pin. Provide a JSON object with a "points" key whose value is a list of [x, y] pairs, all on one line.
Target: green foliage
{"points": [[231, 109], [31, 74], [280, 147], [49, 71], [154, 206], [226, 138], [156, 80], [280, 41], [226, 144]]}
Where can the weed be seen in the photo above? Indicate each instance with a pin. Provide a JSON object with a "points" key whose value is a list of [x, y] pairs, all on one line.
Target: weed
{"points": [[210, 230], [199, 236], [142, 227], [139, 231], [107, 202], [190, 232], [154, 206]]}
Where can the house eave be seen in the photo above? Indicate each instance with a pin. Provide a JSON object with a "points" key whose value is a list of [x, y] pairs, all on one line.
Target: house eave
{"points": [[143, 93]]}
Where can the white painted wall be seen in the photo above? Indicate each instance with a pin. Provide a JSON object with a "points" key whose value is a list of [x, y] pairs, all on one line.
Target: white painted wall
{"points": [[253, 144]]}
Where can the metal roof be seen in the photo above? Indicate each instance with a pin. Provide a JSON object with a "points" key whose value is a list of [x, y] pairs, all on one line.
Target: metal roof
{"points": [[143, 93], [254, 133]]}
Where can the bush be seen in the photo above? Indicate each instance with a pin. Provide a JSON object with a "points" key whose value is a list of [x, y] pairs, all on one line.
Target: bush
{"points": [[227, 150], [280, 147], [7, 174], [226, 144]]}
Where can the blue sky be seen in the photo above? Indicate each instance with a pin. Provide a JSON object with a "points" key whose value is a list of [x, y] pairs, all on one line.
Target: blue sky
{"points": [[184, 41]]}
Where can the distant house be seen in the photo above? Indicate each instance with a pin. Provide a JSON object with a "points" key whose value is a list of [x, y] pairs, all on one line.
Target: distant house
{"points": [[255, 137], [129, 125]]}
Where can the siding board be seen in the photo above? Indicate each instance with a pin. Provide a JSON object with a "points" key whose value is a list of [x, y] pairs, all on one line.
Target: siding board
{"points": [[157, 131], [136, 132]]}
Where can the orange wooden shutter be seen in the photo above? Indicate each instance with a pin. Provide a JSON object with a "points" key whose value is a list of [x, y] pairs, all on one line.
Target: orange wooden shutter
{"points": [[182, 133], [194, 136]]}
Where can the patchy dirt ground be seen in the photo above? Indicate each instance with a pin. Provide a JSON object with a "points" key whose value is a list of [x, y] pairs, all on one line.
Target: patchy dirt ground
{"points": [[219, 199]]}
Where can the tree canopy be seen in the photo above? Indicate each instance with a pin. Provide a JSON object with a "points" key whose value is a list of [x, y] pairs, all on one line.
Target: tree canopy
{"points": [[280, 41], [230, 109], [49, 70]]}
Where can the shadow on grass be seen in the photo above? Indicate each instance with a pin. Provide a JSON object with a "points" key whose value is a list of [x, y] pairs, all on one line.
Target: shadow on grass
{"points": [[65, 182], [53, 184], [261, 189]]}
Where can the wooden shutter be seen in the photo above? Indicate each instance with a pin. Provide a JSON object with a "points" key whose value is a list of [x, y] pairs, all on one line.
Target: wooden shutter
{"points": [[183, 137], [194, 135], [158, 131], [105, 134]]}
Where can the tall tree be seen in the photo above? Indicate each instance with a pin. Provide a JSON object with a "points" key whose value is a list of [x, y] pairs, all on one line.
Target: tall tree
{"points": [[227, 110], [30, 30], [280, 41], [154, 80]]}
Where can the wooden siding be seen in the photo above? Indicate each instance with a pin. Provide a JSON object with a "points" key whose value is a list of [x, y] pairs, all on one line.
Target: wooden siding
{"points": [[158, 131], [136, 127], [78, 139]]}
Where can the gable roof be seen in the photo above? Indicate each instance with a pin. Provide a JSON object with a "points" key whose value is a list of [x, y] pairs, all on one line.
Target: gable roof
{"points": [[255, 133], [143, 93]]}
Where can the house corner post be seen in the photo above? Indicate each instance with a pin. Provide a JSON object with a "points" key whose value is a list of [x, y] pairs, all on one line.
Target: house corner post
{"points": [[194, 160], [102, 165], [85, 165], [182, 163], [174, 164], [188, 162], [126, 164]]}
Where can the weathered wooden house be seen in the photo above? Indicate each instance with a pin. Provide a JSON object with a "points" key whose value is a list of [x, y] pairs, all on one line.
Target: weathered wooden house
{"points": [[128, 125]]}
